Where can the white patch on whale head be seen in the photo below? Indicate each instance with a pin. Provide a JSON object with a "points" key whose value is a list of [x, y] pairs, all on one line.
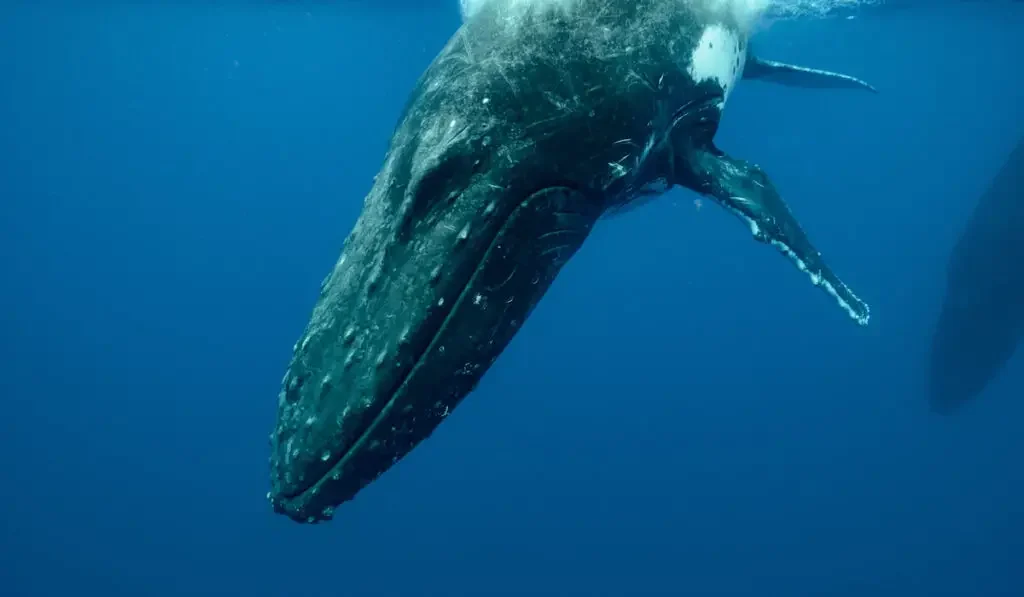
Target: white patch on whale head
{"points": [[719, 57]]}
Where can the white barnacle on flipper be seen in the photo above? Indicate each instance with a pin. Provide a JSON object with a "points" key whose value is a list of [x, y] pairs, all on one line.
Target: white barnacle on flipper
{"points": [[719, 56], [816, 278]]}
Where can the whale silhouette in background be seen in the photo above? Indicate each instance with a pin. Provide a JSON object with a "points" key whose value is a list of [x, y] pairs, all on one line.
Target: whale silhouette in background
{"points": [[982, 317]]}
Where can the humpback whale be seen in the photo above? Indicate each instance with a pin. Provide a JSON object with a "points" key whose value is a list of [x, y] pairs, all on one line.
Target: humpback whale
{"points": [[537, 118], [981, 320]]}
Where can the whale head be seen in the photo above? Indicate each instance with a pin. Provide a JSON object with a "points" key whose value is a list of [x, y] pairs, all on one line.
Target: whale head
{"points": [[515, 141], [460, 236]]}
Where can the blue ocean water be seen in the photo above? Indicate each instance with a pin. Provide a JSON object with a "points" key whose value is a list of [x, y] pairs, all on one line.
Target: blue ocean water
{"points": [[683, 414]]}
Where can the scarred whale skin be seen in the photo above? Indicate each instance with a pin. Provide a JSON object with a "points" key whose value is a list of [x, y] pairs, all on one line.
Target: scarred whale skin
{"points": [[526, 129], [982, 317]]}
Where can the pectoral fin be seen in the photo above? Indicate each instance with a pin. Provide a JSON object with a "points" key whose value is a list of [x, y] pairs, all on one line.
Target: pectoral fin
{"points": [[745, 190], [800, 76]]}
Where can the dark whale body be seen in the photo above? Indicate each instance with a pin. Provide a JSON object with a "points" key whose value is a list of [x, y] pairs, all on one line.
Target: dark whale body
{"points": [[528, 127], [982, 316]]}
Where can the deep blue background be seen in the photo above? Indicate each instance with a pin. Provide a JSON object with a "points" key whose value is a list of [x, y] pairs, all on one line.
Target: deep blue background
{"points": [[683, 414]]}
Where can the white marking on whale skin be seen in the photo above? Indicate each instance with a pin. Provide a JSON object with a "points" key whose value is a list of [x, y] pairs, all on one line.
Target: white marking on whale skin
{"points": [[816, 278], [719, 57]]}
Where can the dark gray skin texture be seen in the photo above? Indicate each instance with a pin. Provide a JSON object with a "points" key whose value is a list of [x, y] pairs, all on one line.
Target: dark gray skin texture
{"points": [[513, 144], [982, 317]]}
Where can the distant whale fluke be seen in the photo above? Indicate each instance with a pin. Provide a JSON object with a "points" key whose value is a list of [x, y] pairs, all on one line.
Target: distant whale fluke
{"points": [[982, 317]]}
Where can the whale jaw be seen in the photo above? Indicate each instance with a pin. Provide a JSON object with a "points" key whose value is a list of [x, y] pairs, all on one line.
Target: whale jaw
{"points": [[403, 332]]}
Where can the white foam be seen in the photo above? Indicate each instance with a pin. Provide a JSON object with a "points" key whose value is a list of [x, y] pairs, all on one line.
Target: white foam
{"points": [[747, 12], [471, 7]]}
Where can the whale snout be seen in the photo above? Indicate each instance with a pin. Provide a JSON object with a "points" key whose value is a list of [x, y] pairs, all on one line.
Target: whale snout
{"points": [[433, 282]]}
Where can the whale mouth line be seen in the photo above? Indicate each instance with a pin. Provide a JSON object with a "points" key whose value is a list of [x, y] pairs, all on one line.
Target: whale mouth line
{"points": [[497, 276], [338, 462]]}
